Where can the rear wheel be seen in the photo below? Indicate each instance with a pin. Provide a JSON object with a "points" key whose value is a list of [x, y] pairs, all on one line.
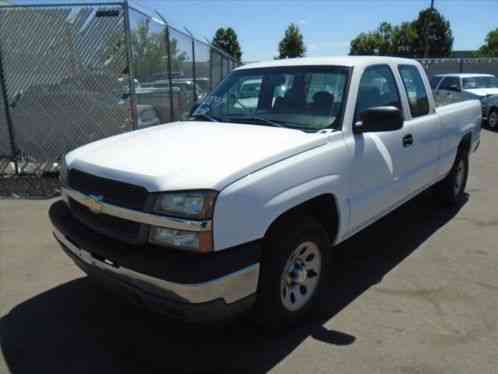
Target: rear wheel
{"points": [[451, 190], [493, 119], [293, 271]]}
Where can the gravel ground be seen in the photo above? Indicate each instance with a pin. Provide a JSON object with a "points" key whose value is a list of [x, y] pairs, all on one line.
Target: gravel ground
{"points": [[416, 292]]}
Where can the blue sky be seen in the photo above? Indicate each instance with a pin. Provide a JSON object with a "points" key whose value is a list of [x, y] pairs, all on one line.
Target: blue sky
{"points": [[327, 25]]}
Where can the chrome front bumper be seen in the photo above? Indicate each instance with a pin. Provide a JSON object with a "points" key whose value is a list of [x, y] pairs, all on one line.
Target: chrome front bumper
{"points": [[229, 288]]}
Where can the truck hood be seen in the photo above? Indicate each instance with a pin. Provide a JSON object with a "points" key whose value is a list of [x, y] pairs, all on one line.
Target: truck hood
{"points": [[483, 91], [190, 155]]}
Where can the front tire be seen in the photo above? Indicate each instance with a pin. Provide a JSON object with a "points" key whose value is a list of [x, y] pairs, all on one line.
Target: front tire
{"points": [[293, 271], [451, 190]]}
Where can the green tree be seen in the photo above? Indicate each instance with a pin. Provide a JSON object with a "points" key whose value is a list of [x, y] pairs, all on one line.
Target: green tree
{"points": [[378, 42], [150, 52], [490, 46], [403, 40], [434, 31], [366, 43], [292, 44], [226, 40], [407, 39]]}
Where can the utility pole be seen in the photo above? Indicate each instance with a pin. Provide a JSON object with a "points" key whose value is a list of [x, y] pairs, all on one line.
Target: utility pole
{"points": [[426, 39]]}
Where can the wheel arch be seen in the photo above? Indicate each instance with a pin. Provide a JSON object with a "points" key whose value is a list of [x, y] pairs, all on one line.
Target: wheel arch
{"points": [[465, 143], [324, 208]]}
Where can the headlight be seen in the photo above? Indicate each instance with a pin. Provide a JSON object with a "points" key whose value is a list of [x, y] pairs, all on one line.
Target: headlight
{"points": [[180, 239], [196, 205], [189, 204]]}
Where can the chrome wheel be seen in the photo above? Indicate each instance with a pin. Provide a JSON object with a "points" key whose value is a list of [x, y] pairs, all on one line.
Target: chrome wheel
{"points": [[459, 177], [301, 276], [493, 119]]}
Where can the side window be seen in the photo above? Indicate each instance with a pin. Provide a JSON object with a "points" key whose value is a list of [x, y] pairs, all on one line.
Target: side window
{"points": [[415, 90], [450, 83], [377, 88]]}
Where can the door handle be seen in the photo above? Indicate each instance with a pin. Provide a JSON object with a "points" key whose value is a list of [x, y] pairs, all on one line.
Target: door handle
{"points": [[407, 140]]}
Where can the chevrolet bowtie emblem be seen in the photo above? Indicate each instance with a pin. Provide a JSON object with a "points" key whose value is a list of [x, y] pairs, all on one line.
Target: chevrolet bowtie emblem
{"points": [[94, 203]]}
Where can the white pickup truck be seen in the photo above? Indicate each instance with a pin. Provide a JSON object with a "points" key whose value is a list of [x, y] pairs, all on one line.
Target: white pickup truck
{"points": [[481, 86], [241, 206]]}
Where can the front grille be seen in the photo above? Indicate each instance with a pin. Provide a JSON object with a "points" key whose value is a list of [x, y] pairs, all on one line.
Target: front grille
{"points": [[114, 227], [113, 192]]}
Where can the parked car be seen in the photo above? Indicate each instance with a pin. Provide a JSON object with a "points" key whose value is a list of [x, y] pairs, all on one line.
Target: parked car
{"points": [[146, 116], [483, 86], [241, 208]]}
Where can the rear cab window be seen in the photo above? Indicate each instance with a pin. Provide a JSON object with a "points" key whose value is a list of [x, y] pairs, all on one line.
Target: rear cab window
{"points": [[415, 90]]}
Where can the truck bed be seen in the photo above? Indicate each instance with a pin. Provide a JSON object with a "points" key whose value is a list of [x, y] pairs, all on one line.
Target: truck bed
{"points": [[445, 97]]}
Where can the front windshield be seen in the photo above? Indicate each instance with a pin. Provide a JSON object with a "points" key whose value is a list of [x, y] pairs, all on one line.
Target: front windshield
{"points": [[302, 97], [480, 82]]}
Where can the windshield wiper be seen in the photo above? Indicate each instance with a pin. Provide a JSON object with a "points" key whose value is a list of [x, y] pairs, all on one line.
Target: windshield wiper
{"points": [[261, 120], [205, 116]]}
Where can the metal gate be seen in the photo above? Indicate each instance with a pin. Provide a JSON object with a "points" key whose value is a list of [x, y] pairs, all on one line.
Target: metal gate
{"points": [[65, 75]]}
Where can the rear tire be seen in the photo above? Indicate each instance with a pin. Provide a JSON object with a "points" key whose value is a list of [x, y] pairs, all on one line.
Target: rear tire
{"points": [[493, 119], [293, 272], [451, 190]]}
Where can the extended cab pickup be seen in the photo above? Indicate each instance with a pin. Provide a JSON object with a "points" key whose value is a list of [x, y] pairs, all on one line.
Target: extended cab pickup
{"points": [[241, 206]]}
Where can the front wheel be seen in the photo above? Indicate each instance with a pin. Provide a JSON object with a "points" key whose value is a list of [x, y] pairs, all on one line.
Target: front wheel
{"points": [[293, 271], [451, 190]]}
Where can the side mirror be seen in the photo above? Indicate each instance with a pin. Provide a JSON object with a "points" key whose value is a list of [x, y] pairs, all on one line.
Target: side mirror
{"points": [[380, 118]]}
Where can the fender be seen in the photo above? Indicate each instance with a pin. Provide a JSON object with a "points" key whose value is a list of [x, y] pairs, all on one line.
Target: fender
{"points": [[255, 217], [453, 134], [298, 195], [245, 209]]}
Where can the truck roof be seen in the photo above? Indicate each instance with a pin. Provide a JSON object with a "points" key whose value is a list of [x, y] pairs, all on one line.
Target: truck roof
{"points": [[349, 61], [463, 75]]}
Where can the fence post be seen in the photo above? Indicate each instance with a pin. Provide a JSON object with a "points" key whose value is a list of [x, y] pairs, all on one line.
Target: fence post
{"points": [[194, 72], [221, 66], [8, 117], [194, 76], [211, 54], [129, 59], [461, 65], [170, 78]]}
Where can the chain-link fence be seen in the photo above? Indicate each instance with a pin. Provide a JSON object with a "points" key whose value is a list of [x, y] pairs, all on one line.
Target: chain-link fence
{"points": [[460, 65], [73, 74]]}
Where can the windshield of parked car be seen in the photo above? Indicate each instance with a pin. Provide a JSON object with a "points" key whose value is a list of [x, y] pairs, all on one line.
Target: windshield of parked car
{"points": [[480, 82], [302, 97]]}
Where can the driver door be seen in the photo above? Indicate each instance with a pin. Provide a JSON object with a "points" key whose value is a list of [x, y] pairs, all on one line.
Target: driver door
{"points": [[380, 158]]}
